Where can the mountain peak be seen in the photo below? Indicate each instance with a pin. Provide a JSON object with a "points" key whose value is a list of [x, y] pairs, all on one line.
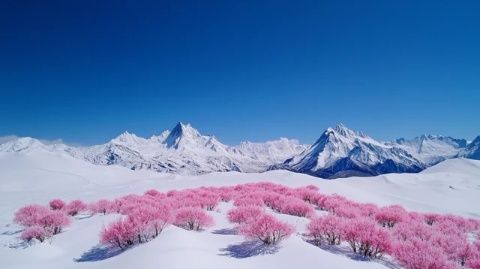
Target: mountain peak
{"points": [[180, 134], [126, 137], [472, 151], [476, 140], [342, 130], [21, 144], [186, 127]]}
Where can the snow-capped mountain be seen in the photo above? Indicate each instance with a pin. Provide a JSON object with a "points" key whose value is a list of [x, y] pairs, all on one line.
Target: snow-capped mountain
{"points": [[184, 150], [27, 144], [431, 149], [341, 152], [472, 151], [272, 152]]}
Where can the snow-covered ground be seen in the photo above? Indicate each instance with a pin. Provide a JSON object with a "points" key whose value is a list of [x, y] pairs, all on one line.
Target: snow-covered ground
{"points": [[452, 186]]}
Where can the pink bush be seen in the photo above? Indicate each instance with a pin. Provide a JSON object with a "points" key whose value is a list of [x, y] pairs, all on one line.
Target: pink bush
{"points": [[474, 263], [273, 200], [75, 207], [295, 207], [102, 206], [150, 221], [419, 254], [244, 214], [250, 200], [34, 232], [330, 202], [367, 209], [226, 193], [51, 222], [155, 193], [120, 233], [431, 218], [195, 198], [57, 204], [192, 218], [465, 253], [307, 193], [389, 215], [328, 228], [208, 201], [454, 246], [365, 237], [348, 210], [54, 221], [404, 231], [267, 229], [30, 215]]}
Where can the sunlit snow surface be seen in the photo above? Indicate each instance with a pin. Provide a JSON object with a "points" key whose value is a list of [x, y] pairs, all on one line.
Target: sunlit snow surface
{"points": [[452, 186]]}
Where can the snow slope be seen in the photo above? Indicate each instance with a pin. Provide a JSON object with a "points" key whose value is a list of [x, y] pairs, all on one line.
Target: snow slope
{"points": [[452, 186]]}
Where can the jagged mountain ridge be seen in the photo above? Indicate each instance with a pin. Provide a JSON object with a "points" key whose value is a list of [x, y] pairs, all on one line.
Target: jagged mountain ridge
{"points": [[432, 149], [343, 152], [339, 152], [184, 150]]}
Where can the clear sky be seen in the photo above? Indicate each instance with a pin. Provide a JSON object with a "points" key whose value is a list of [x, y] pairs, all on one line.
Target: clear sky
{"points": [[85, 71]]}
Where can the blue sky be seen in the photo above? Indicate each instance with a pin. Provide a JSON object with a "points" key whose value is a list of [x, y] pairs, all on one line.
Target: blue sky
{"points": [[85, 71]]}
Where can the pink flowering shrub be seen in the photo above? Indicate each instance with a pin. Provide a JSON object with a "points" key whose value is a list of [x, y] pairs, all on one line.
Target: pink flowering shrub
{"points": [[54, 221], [307, 193], [404, 231], [267, 229], [474, 262], [30, 215], [208, 200], [150, 221], [250, 200], [419, 254], [389, 215], [34, 232], [226, 194], [330, 202], [244, 214], [50, 221], [415, 240], [431, 218], [75, 207], [273, 200], [295, 207], [120, 233], [328, 228], [56, 204], [154, 193], [102, 206], [192, 218], [365, 237]]}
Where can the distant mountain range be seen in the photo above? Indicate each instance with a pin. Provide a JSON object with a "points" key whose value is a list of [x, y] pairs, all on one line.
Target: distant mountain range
{"points": [[339, 152]]}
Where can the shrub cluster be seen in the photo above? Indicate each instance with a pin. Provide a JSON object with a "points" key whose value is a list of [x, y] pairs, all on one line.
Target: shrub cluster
{"points": [[41, 222], [415, 240]]}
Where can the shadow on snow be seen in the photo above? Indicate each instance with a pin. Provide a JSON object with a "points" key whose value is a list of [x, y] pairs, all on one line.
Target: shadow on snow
{"points": [[99, 253], [248, 249], [225, 231], [347, 251]]}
